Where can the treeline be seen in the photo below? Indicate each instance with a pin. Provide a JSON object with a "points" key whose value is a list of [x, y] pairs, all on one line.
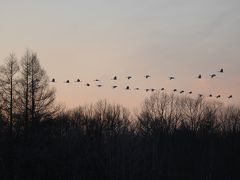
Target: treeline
{"points": [[171, 137]]}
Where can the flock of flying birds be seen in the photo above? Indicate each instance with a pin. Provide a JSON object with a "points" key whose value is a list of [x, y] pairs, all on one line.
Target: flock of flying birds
{"points": [[115, 78]]}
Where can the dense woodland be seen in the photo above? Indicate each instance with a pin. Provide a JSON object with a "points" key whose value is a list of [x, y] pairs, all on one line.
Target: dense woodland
{"points": [[171, 137]]}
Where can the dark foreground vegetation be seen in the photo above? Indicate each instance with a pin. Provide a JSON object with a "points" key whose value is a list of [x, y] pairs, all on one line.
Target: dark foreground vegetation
{"points": [[171, 137]]}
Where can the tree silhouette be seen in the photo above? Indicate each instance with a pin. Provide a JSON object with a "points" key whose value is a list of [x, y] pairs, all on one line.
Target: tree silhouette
{"points": [[8, 83], [35, 95]]}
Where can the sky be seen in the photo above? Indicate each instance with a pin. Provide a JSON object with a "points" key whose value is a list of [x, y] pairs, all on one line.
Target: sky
{"points": [[100, 39]]}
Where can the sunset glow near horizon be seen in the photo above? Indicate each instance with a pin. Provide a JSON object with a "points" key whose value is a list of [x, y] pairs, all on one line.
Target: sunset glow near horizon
{"points": [[102, 39]]}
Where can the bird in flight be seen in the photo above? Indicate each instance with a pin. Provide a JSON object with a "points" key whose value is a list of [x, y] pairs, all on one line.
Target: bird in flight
{"points": [[147, 90], [190, 92], [171, 78], [99, 85], [212, 75], [210, 95], [175, 90], [127, 88], [218, 96], [87, 84], [199, 76], [129, 77], [200, 95], [136, 89], [114, 87], [78, 80], [181, 92], [147, 76], [53, 80], [162, 89], [96, 80], [229, 97], [115, 78], [67, 81], [221, 70], [152, 89]]}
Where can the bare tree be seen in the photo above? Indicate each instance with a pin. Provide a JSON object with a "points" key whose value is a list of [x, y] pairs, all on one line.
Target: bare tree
{"points": [[160, 113], [113, 118], [8, 83], [230, 119], [36, 96]]}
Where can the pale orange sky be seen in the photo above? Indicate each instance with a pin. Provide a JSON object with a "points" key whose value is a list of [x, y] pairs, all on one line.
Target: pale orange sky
{"points": [[100, 39]]}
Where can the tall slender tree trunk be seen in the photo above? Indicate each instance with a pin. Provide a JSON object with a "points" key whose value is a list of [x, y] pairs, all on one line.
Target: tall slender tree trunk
{"points": [[34, 123], [26, 106], [11, 105]]}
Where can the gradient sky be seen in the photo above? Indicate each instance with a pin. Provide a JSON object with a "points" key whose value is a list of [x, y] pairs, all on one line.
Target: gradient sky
{"points": [[99, 39]]}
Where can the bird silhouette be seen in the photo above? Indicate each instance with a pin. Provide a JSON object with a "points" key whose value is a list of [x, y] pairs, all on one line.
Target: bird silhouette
{"points": [[229, 97], [210, 95], [162, 89], [67, 81], [212, 75], [147, 90], [147, 76], [114, 87], [200, 95], [99, 85], [152, 89], [78, 80], [199, 76], [127, 88], [87, 84], [53, 80], [221, 70], [171, 78], [129, 77], [181, 92], [115, 78], [218, 96], [190, 92], [96, 80], [137, 89], [175, 90]]}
